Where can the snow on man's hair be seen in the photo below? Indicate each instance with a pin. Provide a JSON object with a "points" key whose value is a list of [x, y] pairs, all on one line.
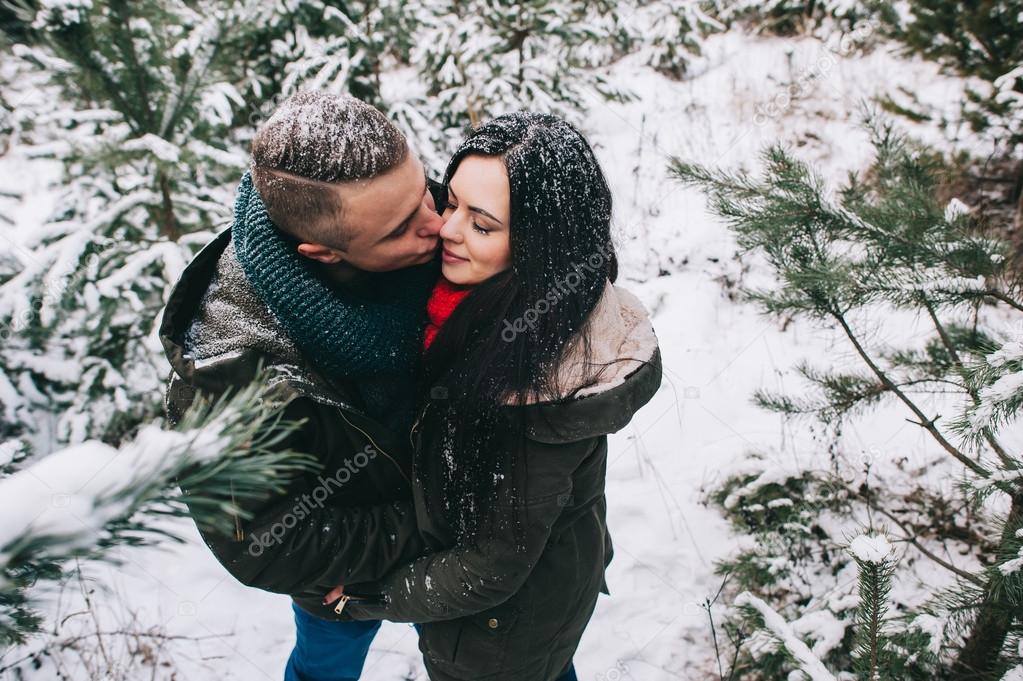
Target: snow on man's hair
{"points": [[314, 141]]}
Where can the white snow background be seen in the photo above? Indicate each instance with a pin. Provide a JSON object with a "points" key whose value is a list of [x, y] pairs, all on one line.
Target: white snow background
{"points": [[745, 93]]}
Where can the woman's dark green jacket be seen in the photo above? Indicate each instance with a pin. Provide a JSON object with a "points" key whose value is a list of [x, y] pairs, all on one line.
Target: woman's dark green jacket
{"points": [[503, 610]]}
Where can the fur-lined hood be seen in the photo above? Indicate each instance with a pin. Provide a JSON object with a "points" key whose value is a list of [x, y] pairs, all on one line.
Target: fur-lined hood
{"points": [[610, 370]]}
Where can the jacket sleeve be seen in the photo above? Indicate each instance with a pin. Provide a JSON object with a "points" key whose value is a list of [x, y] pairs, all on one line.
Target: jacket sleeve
{"points": [[295, 542], [466, 580], [329, 546]]}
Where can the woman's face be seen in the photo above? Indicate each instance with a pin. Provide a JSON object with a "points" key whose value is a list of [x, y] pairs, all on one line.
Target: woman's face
{"points": [[475, 235]]}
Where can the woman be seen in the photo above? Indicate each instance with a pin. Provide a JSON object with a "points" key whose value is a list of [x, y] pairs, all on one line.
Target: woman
{"points": [[532, 357]]}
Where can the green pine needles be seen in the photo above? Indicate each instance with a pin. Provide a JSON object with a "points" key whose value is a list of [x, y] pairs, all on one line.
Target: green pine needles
{"points": [[86, 500], [880, 246], [874, 557]]}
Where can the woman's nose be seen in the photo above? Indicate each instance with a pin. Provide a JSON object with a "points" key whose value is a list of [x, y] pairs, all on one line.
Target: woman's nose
{"points": [[449, 230]]}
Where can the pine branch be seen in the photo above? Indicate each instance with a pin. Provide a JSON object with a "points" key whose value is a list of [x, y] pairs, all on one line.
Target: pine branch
{"points": [[947, 342], [780, 629], [924, 422], [232, 444], [911, 537], [981, 652], [874, 557]]}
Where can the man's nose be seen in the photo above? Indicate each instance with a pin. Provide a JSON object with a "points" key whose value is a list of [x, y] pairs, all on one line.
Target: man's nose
{"points": [[430, 226]]}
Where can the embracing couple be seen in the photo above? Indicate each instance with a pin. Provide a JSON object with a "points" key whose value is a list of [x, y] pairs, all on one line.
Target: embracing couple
{"points": [[457, 353]]}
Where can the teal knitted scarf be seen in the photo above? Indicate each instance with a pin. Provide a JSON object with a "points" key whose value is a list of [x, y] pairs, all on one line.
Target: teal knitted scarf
{"points": [[369, 336]]}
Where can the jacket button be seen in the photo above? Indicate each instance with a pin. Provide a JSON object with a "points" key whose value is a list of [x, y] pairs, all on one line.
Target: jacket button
{"points": [[493, 623]]}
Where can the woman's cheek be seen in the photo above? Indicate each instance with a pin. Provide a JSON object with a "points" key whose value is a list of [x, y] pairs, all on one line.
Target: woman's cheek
{"points": [[506, 259]]}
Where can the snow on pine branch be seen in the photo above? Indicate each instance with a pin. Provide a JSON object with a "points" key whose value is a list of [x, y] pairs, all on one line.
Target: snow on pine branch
{"points": [[88, 299], [871, 552], [80, 501], [780, 629], [67, 499], [998, 378], [1014, 565], [868, 548]]}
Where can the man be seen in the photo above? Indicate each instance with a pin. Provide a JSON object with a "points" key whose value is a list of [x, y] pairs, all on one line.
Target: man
{"points": [[322, 280]]}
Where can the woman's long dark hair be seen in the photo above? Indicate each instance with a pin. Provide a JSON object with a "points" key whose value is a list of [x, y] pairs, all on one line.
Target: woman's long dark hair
{"points": [[503, 343]]}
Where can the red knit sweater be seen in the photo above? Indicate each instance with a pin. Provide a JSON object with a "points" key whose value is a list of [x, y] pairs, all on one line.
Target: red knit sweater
{"points": [[443, 301]]}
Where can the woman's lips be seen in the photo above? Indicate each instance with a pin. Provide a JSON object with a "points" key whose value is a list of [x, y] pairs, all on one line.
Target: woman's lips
{"points": [[450, 257]]}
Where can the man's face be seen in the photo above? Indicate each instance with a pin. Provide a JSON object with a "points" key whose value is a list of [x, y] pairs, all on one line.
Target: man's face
{"points": [[391, 218]]}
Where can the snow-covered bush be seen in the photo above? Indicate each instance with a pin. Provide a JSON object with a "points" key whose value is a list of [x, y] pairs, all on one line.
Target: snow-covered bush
{"points": [[788, 17], [480, 59], [669, 35], [143, 133], [985, 44], [880, 245]]}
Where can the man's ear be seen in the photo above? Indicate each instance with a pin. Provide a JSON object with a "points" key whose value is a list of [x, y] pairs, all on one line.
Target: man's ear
{"points": [[324, 254]]}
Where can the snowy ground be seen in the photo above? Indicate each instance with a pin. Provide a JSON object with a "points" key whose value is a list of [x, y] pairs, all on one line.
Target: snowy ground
{"points": [[748, 92]]}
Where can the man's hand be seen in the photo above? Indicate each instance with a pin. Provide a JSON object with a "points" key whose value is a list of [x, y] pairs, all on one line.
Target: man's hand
{"points": [[334, 594]]}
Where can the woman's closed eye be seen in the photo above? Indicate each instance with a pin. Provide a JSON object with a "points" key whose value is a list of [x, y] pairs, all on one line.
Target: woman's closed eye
{"points": [[450, 205]]}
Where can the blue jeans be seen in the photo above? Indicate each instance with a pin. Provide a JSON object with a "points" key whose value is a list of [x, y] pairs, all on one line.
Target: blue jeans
{"points": [[336, 651], [328, 651]]}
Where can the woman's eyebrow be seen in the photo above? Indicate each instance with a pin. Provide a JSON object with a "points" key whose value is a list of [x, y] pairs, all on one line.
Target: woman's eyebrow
{"points": [[476, 209]]}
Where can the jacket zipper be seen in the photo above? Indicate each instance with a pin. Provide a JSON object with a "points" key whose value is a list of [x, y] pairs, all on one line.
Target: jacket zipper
{"points": [[240, 536], [343, 601], [378, 447], [412, 432]]}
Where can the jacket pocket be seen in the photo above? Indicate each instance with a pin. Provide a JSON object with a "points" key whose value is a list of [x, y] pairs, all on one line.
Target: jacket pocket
{"points": [[474, 647], [485, 639], [439, 640]]}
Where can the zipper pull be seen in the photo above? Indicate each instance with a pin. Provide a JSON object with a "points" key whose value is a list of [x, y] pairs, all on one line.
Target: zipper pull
{"points": [[342, 602]]}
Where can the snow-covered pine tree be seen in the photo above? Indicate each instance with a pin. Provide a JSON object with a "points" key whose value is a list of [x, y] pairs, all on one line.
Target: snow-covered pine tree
{"points": [[672, 34], [320, 45], [875, 558], [885, 242], [349, 47], [481, 59], [15, 18], [148, 91], [13, 25], [791, 17], [353, 44], [277, 34], [84, 500], [985, 42], [873, 659]]}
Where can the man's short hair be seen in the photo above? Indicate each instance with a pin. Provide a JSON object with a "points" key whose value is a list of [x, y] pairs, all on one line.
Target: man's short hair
{"points": [[314, 141]]}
